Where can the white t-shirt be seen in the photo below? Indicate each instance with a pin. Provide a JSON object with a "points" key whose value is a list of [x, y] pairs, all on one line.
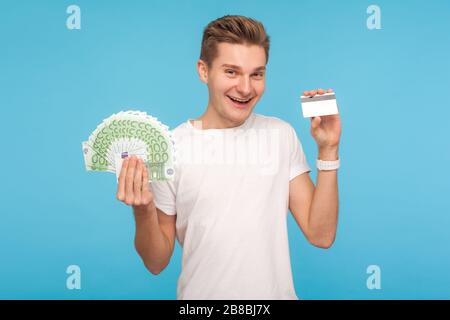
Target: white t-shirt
{"points": [[231, 197]]}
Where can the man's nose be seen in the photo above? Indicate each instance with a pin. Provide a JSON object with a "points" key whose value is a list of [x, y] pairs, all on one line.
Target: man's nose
{"points": [[244, 86]]}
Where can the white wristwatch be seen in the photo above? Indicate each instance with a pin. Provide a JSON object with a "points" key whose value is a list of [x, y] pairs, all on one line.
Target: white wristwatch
{"points": [[323, 165]]}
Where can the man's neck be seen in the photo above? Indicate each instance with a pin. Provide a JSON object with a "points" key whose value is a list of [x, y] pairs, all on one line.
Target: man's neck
{"points": [[212, 120]]}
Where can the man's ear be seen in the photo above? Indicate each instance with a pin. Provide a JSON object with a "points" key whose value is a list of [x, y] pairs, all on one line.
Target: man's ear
{"points": [[202, 69]]}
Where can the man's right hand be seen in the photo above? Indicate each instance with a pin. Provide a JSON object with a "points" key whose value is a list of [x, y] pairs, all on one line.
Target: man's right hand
{"points": [[134, 187]]}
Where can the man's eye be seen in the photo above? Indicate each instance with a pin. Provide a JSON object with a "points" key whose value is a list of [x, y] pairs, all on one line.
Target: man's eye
{"points": [[230, 72], [258, 75]]}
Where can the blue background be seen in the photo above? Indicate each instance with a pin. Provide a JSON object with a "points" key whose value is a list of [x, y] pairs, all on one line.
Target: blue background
{"points": [[57, 84]]}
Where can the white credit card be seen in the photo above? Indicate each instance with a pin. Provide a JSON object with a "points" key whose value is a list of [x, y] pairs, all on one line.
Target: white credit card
{"points": [[319, 105]]}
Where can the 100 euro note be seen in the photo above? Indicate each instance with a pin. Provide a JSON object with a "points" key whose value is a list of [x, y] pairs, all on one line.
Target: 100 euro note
{"points": [[126, 134]]}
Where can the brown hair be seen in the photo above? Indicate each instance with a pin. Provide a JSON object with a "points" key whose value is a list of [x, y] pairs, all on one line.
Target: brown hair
{"points": [[235, 30]]}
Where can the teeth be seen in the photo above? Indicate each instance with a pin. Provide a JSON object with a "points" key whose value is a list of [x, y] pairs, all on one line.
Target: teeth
{"points": [[240, 100]]}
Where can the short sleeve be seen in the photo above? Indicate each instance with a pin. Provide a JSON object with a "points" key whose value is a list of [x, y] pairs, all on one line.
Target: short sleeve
{"points": [[164, 196], [297, 162]]}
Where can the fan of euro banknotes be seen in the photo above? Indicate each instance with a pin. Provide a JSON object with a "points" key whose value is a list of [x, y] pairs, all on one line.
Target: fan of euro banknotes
{"points": [[130, 133]]}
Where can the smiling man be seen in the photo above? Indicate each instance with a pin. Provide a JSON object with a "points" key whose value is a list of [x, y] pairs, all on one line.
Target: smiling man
{"points": [[229, 216]]}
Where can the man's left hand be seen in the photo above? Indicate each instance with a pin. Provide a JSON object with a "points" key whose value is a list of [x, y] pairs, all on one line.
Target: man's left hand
{"points": [[326, 130]]}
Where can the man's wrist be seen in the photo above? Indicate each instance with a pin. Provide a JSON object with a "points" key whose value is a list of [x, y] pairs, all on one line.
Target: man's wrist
{"points": [[328, 153], [144, 210]]}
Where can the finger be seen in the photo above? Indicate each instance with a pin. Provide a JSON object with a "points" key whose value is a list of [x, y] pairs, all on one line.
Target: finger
{"points": [[147, 196], [312, 92], [137, 185], [121, 186], [320, 91], [306, 93], [129, 196], [145, 181], [316, 122]]}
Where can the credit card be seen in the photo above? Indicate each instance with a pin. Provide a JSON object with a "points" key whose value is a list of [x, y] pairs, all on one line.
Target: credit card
{"points": [[319, 105]]}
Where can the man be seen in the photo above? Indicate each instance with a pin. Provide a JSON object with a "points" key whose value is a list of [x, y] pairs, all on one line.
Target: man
{"points": [[230, 216]]}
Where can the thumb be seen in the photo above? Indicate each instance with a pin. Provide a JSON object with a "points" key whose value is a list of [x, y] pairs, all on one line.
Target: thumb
{"points": [[315, 122]]}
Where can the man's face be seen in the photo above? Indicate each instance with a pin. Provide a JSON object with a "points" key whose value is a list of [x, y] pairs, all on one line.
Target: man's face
{"points": [[236, 81]]}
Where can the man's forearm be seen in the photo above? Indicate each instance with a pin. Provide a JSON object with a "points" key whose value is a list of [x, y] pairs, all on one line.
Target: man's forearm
{"points": [[323, 215], [151, 244]]}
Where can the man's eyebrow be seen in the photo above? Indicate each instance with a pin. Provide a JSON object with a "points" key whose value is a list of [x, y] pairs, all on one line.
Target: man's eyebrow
{"points": [[239, 68]]}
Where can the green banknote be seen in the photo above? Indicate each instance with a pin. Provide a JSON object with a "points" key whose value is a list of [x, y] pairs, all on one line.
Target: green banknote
{"points": [[130, 133]]}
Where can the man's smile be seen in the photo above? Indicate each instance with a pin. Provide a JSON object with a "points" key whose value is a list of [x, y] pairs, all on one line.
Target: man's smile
{"points": [[239, 102]]}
